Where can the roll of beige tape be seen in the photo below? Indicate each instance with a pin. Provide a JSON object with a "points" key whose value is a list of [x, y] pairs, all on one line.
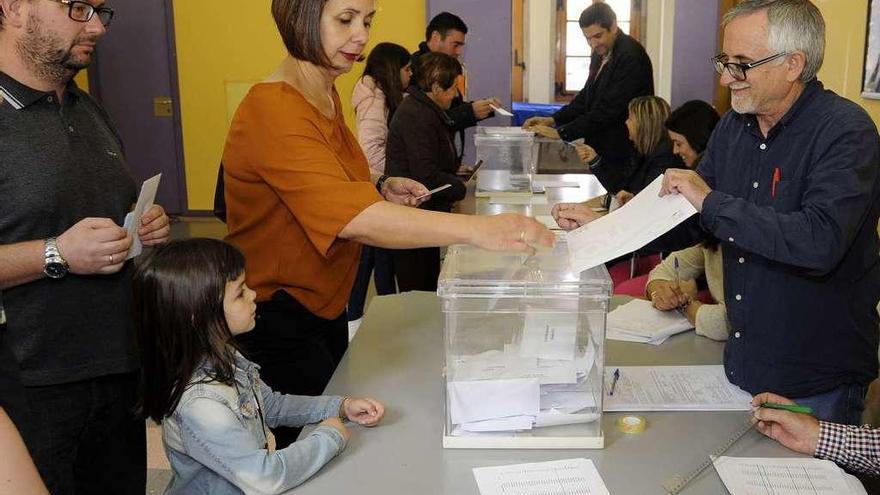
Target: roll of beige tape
{"points": [[632, 424]]}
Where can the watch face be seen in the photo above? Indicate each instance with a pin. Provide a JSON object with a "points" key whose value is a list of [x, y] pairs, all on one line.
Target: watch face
{"points": [[55, 270]]}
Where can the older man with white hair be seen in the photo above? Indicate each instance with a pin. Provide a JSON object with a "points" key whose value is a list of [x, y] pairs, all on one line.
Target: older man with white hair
{"points": [[789, 185]]}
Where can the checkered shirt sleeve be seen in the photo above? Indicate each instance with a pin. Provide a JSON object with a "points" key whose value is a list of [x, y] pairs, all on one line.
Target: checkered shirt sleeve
{"points": [[855, 448]]}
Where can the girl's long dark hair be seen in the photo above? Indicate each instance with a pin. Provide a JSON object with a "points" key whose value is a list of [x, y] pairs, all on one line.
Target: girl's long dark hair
{"points": [[179, 318], [384, 65]]}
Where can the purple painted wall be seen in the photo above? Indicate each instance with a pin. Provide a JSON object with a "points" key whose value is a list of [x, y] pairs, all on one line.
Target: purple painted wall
{"points": [[694, 42], [487, 54]]}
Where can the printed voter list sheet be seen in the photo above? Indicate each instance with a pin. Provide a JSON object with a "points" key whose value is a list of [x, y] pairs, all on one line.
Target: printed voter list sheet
{"points": [[775, 476], [569, 477], [641, 220], [133, 219], [674, 388]]}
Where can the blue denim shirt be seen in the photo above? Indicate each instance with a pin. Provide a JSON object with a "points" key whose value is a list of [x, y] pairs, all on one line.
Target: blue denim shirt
{"points": [[215, 440], [801, 265]]}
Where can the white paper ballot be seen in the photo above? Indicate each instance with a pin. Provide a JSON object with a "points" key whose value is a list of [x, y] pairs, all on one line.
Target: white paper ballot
{"points": [[512, 423], [569, 477], [479, 400], [674, 388], [547, 339], [133, 219], [644, 218], [639, 321], [501, 111], [497, 365], [558, 418], [775, 476]]}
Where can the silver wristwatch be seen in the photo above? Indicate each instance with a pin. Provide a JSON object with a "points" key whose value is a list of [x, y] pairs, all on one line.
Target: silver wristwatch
{"points": [[55, 266]]}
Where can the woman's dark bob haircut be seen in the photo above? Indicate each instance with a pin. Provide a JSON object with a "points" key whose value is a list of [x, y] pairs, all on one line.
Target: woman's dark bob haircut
{"points": [[299, 23]]}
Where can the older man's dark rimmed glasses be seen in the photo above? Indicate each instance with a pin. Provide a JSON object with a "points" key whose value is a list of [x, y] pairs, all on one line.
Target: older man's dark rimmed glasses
{"points": [[84, 11], [738, 70]]}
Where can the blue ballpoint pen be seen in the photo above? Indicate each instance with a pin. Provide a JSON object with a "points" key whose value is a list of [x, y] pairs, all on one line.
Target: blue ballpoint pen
{"points": [[614, 378], [678, 282]]}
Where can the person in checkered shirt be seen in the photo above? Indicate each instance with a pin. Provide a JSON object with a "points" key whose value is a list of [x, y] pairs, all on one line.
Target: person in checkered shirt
{"points": [[854, 448]]}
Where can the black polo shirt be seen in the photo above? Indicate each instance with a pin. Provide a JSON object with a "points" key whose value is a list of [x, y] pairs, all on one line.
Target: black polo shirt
{"points": [[801, 266], [60, 163]]}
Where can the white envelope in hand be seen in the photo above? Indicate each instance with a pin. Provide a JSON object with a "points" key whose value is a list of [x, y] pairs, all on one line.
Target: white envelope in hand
{"points": [[479, 400]]}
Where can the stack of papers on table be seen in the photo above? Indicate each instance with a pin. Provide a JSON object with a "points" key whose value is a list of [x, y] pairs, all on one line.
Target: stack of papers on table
{"points": [[539, 381], [674, 388], [781, 476], [639, 321], [569, 476]]}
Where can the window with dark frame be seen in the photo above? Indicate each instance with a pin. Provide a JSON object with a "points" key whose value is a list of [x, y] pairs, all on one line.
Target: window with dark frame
{"points": [[573, 52]]}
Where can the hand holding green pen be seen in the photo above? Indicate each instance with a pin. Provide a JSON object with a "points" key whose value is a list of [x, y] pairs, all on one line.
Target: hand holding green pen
{"points": [[788, 407], [786, 422]]}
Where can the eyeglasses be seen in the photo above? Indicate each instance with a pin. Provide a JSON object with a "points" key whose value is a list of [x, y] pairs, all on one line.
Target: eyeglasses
{"points": [[738, 70], [84, 11]]}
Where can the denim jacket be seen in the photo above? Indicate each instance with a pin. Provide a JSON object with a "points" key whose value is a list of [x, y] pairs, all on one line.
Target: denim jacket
{"points": [[216, 442]]}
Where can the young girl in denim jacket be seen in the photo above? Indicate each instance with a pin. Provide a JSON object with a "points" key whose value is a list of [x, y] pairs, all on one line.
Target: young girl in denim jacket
{"points": [[190, 300]]}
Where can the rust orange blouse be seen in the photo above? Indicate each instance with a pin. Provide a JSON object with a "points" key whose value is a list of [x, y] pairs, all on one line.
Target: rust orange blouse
{"points": [[294, 180]]}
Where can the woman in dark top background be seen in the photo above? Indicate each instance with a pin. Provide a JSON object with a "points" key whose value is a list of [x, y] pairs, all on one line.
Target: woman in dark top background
{"points": [[420, 146], [689, 127]]}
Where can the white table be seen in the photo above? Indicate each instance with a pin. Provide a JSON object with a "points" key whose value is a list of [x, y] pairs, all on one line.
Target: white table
{"points": [[397, 357]]}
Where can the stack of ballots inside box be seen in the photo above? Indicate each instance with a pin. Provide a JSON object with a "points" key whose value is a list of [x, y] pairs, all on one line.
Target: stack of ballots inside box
{"points": [[539, 380]]}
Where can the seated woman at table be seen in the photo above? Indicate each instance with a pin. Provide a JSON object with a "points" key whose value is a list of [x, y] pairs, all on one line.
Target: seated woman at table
{"points": [[854, 448], [301, 201], [689, 127], [652, 150], [710, 320], [420, 147]]}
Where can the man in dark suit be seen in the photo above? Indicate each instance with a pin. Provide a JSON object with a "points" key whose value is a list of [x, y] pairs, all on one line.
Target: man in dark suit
{"points": [[620, 70]]}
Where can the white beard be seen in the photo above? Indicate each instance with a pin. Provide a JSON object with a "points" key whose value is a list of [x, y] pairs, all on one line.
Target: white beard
{"points": [[743, 104]]}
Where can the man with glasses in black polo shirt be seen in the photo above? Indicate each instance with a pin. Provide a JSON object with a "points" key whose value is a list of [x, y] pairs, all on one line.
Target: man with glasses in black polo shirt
{"points": [[66, 285], [789, 185]]}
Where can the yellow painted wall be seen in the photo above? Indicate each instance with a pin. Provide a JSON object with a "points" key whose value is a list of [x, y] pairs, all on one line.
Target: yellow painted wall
{"points": [[845, 25], [82, 80], [223, 47]]}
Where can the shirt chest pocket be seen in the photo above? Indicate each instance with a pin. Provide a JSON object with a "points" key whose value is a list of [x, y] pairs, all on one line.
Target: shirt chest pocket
{"points": [[787, 195]]}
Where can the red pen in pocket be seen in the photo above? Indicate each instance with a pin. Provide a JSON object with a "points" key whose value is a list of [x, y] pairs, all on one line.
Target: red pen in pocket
{"points": [[777, 176]]}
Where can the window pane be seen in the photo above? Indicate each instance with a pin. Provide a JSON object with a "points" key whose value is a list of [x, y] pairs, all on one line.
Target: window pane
{"points": [[575, 43], [573, 8], [576, 71], [624, 26], [621, 8]]}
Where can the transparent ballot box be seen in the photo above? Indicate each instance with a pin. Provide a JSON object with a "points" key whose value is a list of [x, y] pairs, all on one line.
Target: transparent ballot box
{"points": [[524, 339], [509, 156]]}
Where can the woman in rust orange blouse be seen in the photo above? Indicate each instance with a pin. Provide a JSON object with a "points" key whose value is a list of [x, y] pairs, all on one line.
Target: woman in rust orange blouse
{"points": [[301, 200]]}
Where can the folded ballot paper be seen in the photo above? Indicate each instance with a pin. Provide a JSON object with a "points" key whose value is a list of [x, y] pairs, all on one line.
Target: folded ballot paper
{"points": [[639, 321]]}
